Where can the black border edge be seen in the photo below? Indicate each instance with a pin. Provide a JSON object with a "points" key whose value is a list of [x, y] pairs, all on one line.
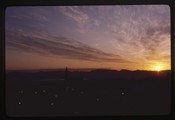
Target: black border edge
{"points": [[2, 63], [173, 59], [5, 3]]}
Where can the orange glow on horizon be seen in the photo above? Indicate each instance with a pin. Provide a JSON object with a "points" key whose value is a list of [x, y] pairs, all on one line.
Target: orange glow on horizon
{"points": [[159, 67]]}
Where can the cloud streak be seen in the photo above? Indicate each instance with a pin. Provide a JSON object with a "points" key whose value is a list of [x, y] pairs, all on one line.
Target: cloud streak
{"points": [[145, 31], [59, 46], [76, 14]]}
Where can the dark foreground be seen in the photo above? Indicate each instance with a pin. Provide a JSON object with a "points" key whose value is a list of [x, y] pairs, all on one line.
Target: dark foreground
{"points": [[81, 97]]}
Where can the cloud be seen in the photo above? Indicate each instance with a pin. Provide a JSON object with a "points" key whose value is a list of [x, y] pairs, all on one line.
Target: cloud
{"points": [[143, 30], [133, 32], [136, 32], [155, 40], [73, 12], [45, 44]]}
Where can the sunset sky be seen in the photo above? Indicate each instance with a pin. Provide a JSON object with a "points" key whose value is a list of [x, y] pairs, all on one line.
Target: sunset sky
{"points": [[133, 37]]}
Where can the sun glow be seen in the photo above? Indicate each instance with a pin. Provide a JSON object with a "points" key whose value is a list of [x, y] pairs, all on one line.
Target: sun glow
{"points": [[159, 67]]}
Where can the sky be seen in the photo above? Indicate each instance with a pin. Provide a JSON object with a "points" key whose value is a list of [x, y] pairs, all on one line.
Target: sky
{"points": [[133, 37]]}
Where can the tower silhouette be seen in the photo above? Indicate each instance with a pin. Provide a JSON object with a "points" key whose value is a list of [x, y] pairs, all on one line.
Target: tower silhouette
{"points": [[66, 73]]}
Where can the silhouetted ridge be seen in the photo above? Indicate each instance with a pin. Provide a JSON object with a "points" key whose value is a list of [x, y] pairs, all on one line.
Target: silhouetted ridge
{"points": [[98, 74]]}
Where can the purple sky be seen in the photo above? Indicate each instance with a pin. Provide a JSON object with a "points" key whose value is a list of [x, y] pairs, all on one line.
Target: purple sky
{"points": [[118, 37]]}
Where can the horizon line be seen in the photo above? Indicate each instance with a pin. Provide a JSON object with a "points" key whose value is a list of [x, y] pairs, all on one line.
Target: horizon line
{"points": [[80, 69]]}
